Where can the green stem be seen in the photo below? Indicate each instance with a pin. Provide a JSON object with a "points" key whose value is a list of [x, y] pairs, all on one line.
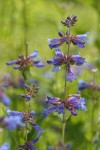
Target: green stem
{"points": [[65, 95], [63, 128]]}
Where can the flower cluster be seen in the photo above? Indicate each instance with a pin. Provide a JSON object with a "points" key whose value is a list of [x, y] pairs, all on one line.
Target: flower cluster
{"points": [[17, 119], [70, 21], [79, 40], [73, 102], [26, 61], [67, 60], [32, 91]]}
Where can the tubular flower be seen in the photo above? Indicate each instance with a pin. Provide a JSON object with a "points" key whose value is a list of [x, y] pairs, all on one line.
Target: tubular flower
{"points": [[19, 119], [58, 106], [70, 75], [72, 103], [75, 102], [26, 61], [55, 43], [82, 85], [79, 40], [4, 98], [62, 59]]}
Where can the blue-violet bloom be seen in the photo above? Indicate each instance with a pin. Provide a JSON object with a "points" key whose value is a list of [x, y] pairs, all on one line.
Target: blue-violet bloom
{"points": [[61, 59], [82, 85], [75, 102], [5, 146], [26, 61], [4, 98], [72, 103], [79, 40]]}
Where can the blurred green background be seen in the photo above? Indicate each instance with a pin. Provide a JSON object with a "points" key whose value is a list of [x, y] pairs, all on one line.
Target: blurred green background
{"points": [[34, 21]]}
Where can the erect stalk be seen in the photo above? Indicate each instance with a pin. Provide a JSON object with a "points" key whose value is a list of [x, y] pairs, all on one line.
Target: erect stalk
{"points": [[26, 49], [93, 104], [65, 93]]}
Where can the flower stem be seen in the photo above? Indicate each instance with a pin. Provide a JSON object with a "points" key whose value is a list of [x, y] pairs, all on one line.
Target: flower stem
{"points": [[63, 129], [65, 94]]}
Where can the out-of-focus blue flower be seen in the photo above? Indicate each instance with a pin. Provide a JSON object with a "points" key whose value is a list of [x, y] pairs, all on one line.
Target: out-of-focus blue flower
{"points": [[29, 145], [62, 59], [80, 40], [5, 146], [13, 122], [58, 106], [60, 147], [14, 113], [82, 85], [4, 98], [26, 61], [22, 119], [75, 102]]}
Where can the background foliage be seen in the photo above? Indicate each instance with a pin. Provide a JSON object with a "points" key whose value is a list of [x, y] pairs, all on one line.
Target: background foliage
{"points": [[35, 21]]}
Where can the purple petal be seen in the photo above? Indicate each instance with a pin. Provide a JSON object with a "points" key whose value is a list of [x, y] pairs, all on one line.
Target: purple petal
{"points": [[38, 64], [56, 69], [83, 36], [14, 113], [48, 111], [5, 99], [70, 75], [58, 52], [17, 67], [60, 109], [12, 62], [34, 54], [38, 129]]}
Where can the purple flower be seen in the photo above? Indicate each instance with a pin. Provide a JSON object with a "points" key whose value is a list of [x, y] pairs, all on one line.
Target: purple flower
{"points": [[13, 122], [62, 59], [70, 75], [37, 128], [77, 60], [58, 106], [26, 61], [79, 40], [15, 113], [29, 145], [55, 43], [82, 85], [5, 146], [75, 102], [4, 98]]}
